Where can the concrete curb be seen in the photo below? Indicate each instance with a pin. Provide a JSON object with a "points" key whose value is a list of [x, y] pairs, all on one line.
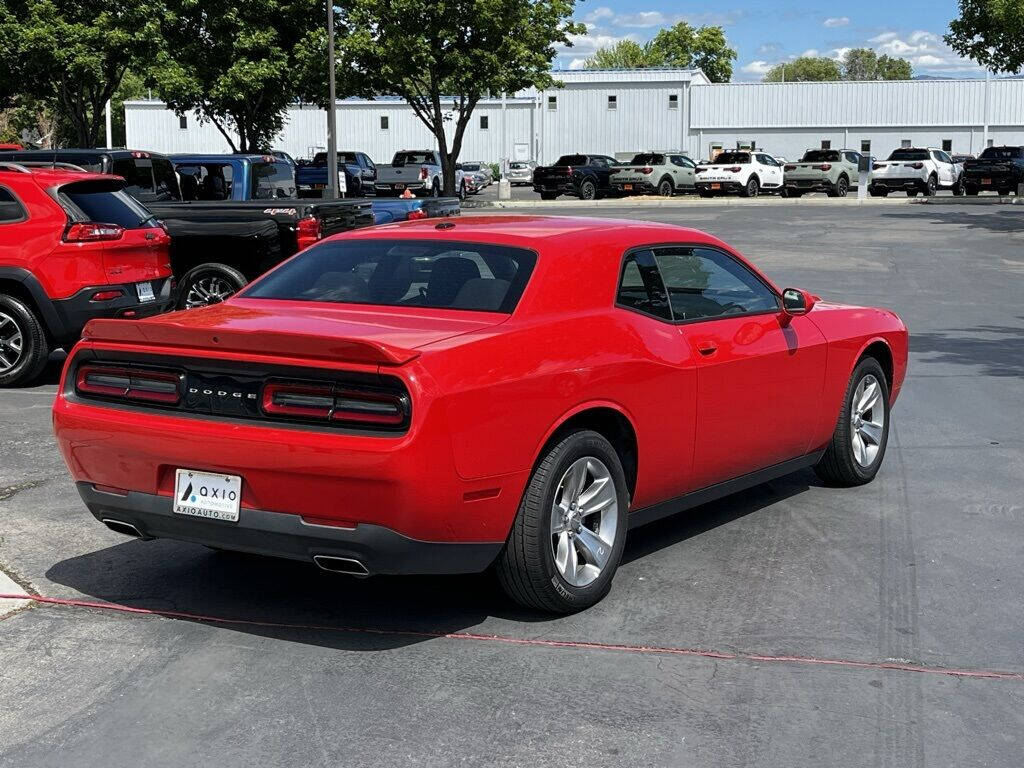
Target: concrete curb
{"points": [[9, 586], [682, 202], [974, 201]]}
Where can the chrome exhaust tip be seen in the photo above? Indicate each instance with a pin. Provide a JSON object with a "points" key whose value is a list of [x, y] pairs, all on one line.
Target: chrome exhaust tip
{"points": [[345, 565], [119, 526]]}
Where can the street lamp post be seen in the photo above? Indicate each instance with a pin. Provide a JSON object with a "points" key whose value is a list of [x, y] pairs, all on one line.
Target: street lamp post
{"points": [[332, 116]]}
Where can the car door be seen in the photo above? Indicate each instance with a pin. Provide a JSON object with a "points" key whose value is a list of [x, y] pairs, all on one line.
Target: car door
{"points": [[773, 170], [682, 170], [760, 371], [943, 168]]}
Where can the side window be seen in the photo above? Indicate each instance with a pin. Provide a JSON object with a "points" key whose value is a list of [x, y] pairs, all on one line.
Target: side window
{"points": [[11, 209], [641, 288], [272, 180], [706, 283], [600, 162], [166, 181], [138, 175], [853, 157]]}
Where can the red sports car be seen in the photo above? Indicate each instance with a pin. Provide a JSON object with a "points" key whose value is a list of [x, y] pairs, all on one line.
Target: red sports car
{"points": [[439, 397]]}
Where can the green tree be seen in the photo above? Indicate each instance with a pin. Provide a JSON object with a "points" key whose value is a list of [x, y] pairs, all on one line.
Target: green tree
{"points": [[239, 63], [865, 64], [679, 46], [804, 69], [991, 32], [70, 56], [443, 56], [625, 54]]}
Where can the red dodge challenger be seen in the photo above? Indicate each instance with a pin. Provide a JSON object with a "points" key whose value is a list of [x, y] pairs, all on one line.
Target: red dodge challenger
{"points": [[439, 397]]}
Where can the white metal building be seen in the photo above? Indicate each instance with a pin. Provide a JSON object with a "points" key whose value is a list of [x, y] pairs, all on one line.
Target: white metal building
{"points": [[623, 111]]}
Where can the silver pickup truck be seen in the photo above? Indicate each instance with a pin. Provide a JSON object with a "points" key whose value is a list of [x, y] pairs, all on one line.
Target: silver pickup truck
{"points": [[418, 170], [663, 173]]}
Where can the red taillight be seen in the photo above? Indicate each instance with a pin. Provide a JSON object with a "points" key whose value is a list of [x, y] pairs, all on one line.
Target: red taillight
{"points": [[307, 231], [790, 167], [734, 169], [91, 232], [324, 402], [424, 174], [419, 213], [568, 169], [140, 154], [824, 167], [129, 383], [918, 166], [107, 295], [646, 169]]}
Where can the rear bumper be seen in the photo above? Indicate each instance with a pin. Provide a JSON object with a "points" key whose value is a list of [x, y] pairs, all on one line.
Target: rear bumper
{"points": [[911, 183], [381, 550], [637, 186], [79, 309], [1001, 180], [722, 186], [809, 185], [558, 187]]}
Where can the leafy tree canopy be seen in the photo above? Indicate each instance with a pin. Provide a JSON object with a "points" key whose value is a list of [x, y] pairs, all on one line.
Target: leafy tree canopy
{"points": [[865, 64], [804, 69], [681, 46], [991, 32], [443, 56]]}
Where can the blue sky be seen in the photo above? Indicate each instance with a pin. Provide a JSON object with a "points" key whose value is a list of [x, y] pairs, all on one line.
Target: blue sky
{"points": [[765, 33]]}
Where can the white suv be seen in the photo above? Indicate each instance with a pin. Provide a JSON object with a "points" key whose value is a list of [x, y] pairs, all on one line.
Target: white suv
{"points": [[744, 171], [916, 170]]}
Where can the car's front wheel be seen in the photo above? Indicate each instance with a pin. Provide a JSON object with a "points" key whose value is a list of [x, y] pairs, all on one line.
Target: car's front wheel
{"points": [[209, 284], [752, 188], [862, 432], [570, 530], [666, 188]]}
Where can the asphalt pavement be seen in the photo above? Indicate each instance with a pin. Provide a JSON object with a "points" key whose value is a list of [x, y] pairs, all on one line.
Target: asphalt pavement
{"points": [[789, 625]]}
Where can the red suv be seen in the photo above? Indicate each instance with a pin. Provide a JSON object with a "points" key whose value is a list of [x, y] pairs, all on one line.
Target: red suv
{"points": [[73, 246]]}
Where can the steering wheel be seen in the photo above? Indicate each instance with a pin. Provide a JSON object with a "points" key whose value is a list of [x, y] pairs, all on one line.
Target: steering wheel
{"points": [[733, 309]]}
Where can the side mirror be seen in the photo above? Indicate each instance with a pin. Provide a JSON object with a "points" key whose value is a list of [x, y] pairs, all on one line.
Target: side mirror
{"points": [[796, 301]]}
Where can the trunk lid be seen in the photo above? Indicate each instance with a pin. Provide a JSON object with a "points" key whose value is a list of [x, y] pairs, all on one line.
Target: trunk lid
{"points": [[299, 330], [139, 255]]}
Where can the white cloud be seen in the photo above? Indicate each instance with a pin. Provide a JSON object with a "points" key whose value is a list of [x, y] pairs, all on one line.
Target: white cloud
{"points": [[577, 63], [641, 20], [924, 50], [810, 52], [599, 13], [758, 67], [838, 21]]}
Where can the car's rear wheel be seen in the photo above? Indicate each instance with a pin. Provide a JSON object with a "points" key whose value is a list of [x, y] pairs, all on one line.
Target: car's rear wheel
{"points": [[548, 195], [862, 432], [462, 191], [931, 186], [752, 188], [958, 187], [209, 284], [570, 530], [795, 193], [841, 188], [1004, 192], [666, 188], [588, 190], [23, 346], [878, 192], [972, 191], [911, 193], [705, 193]]}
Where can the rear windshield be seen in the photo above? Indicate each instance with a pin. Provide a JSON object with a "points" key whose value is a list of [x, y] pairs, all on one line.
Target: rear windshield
{"points": [[412, 158], [1002, 153], [272, 180], [320, 158], [148, 180], [909, 154], [471, 166], [101, 202], [518, 166], [732, 157], [400, 273], [572, 160], [821, 156], [648, 159]]}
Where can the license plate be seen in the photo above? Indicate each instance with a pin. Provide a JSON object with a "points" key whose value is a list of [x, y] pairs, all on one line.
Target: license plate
{"points": [[986, 181], [144, 291], [399, 186], [204, 494], [627, 186], [319, 186], [716, 186]]}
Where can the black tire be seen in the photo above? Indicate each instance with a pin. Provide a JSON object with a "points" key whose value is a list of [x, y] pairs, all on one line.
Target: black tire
{"points": [[795, 193], [19, 321], [208, 274], [839, 466], [1004, 192], [972, 191], [666, 188], [878, 192], [435, 189], [548, 195], [588, 190], [752, 188], [958, 187], [911, 193], [705, 193], [462, 191], [931, 186], [840, 188], [526, 567]]}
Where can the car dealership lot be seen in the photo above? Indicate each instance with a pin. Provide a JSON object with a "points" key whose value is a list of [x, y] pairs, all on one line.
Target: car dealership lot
{"points": [[751, 631]]}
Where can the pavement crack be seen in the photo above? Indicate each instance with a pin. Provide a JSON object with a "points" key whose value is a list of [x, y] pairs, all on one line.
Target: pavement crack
{"points": [[10, 491]]}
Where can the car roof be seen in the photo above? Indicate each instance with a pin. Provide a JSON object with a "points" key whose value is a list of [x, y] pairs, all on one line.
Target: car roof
{"points": [[76, 151], [50, 177]]}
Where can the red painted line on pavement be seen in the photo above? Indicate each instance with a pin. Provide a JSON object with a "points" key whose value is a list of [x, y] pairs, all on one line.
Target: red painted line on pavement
{"points": [[574, 644]]}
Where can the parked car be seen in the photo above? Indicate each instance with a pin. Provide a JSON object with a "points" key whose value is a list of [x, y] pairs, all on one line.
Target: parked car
{"points": [[73, 247], [664, 173], [282, 155], [219, 177], [832, 171], [998, 168], [482, 171], [343, 409], [4, 147], [585, 176], [520, 172], [387, 210], [744, 172], [916, 170], [418, 171], [360, 173], [961, 159]]}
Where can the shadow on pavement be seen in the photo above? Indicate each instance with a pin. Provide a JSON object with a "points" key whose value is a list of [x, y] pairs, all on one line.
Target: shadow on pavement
{"points": [[997, 349], [1009, 219], [168, 576]]}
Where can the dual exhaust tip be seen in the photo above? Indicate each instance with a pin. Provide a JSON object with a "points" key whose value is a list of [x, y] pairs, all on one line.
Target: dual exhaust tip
{"points": [[347, 565]]}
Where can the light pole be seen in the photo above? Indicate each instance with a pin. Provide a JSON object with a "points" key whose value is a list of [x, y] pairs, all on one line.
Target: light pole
{"points": [[332, 117]]}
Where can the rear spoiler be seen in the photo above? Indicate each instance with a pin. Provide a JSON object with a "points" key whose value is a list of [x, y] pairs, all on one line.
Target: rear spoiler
{"points": [[284, 343]]}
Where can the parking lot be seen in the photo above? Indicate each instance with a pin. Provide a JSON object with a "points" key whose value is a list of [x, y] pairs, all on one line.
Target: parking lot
{"points": [[789, 625]]}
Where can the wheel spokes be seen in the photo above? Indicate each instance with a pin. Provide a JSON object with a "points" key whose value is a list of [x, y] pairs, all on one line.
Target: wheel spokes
{"points": [[595, 550]]}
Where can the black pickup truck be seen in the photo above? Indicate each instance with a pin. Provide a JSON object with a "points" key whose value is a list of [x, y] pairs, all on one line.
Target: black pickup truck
{"points": [[585, 176], [217, 246], [998, 168]]}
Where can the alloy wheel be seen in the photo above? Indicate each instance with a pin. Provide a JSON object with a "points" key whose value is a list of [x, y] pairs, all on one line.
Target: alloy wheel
{"points": [[867, 420], [584, 521], [208, 290], [11, 343]]}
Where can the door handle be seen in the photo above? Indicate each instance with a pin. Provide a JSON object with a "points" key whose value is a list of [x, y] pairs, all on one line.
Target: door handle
{"points": [[707, 348]]}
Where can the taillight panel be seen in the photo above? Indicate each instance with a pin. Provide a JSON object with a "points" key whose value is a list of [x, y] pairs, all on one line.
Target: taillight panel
{"points": [[335, 403], [131, 384]]}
